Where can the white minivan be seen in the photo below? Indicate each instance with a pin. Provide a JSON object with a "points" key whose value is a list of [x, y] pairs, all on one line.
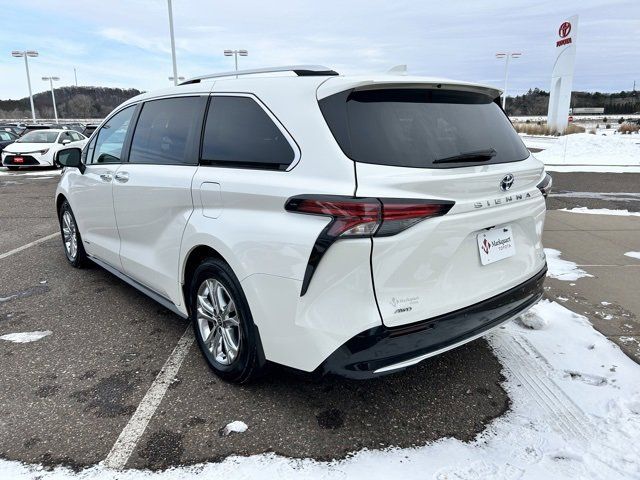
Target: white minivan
{"points": [[333, 224]]}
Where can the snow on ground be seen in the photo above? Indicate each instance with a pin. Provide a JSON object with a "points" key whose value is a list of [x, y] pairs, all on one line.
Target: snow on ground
{"points": [[562, 269], [575, 414], [44, 172], [633, 255], [234, 427], [586, 152], [25, 337], [601, 211]]}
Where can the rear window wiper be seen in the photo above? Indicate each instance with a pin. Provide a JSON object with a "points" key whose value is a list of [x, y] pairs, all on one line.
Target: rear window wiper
{"points": [[475, 156]]}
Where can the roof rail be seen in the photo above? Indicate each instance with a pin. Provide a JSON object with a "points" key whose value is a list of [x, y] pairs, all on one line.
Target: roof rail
{"points": [[300, 70]]}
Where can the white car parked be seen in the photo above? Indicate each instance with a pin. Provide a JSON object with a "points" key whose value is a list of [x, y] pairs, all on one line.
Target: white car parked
{"points": [[333, 224], [37, 148]]}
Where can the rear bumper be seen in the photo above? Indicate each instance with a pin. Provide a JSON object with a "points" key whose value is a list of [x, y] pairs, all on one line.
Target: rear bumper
{"points": [[381, 350]]}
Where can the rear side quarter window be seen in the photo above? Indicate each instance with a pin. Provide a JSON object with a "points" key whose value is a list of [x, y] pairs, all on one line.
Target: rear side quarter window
{"points": [[239, 133]]}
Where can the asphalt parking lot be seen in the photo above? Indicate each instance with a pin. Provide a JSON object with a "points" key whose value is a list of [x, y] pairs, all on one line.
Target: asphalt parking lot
{"points": [[67, 397]]}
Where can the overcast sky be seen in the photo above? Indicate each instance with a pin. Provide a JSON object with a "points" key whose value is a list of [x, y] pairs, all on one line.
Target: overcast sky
{"points": [[126, 43]]}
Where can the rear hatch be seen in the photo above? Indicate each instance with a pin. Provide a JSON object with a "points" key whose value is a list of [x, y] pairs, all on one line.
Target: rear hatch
{"points": [[426, 142]]}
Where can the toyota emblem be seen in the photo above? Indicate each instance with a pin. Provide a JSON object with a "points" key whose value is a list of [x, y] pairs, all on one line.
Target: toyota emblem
{"points": [[506, 182], [564, 30]]}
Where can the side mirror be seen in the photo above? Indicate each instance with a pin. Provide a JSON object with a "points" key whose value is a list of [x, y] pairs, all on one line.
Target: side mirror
{"points": [[70, 157], [66, 141]]}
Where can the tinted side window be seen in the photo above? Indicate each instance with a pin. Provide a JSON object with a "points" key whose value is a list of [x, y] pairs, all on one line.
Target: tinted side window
{"points": [[166, 130], [239, 133], [5, 137], [110, 139]]}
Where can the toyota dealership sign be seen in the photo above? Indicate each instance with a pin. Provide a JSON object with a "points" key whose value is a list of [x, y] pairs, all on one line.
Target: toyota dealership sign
{"points": [[563, 32], [565, 36]]}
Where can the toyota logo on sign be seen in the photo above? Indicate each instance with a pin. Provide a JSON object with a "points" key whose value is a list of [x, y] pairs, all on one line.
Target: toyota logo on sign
{"points": [[564, 30]]}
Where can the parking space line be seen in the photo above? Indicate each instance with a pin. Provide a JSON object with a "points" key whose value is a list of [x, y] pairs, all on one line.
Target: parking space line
{"points": [[24, 247], [132, 432]]}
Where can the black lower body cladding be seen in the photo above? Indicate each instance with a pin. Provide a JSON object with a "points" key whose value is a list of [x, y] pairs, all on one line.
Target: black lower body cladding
{"points": [[380, 347]]}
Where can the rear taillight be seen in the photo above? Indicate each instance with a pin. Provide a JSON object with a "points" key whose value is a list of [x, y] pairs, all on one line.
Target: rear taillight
{"points": [[360, 217], [545, 185]]}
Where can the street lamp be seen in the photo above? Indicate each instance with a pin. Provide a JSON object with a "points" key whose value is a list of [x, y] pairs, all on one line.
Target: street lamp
{"points": [[180, 79], [506, 56], [235, 53], [25, 54], [53, 95], [173, 45]]}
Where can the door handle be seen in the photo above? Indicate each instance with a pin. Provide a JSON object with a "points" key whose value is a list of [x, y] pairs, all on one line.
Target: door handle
{"points": [[122, 177], [106, 177]]}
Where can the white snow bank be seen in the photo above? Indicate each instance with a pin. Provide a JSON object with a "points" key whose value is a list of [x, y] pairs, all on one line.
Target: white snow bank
{"points": [[562, 269], [601, 211], [582, 151], [575, 413], [25, 337], [534, 321], [234, 427], [633, 255], [38, 173]]}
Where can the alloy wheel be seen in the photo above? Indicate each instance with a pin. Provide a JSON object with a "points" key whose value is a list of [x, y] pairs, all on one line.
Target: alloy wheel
{"points": [[70, 235], [218, 321]]}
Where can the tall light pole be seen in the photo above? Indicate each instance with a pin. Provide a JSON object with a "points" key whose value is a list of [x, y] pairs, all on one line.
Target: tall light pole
{"points": [[506, 56], [53, 95], [235, 53], [25, 54], [173, 45], [180, 79]]}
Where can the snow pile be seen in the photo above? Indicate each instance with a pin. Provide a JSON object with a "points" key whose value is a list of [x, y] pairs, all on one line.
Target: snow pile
{"points": [[633, 255], [234, 427], [25, 337], [582, 150], [36, 172], [575, 413], [534, 321], [601, 211], [562, 269]]}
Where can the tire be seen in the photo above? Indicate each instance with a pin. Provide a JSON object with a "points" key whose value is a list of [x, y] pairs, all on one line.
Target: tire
{"points": [[13, 168], [214, 288], [71, 239]]}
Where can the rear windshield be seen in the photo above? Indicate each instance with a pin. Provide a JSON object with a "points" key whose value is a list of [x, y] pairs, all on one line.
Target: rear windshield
{"points": [[422, 128]]}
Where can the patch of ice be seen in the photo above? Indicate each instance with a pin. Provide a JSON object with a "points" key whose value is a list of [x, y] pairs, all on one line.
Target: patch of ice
{"points": [[562, 269], [601, 211], [633, 255], [25, 337], [234, 427]]}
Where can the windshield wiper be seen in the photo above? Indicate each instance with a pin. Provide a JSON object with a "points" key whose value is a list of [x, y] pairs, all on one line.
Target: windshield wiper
{"points": [[475, 156]]}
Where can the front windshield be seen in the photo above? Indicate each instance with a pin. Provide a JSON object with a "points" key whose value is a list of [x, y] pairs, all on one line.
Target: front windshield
{"points": [[39, 136]]}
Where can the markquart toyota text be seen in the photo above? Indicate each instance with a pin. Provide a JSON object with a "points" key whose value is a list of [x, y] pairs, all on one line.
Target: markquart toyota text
{"points": [[333, 224]]}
